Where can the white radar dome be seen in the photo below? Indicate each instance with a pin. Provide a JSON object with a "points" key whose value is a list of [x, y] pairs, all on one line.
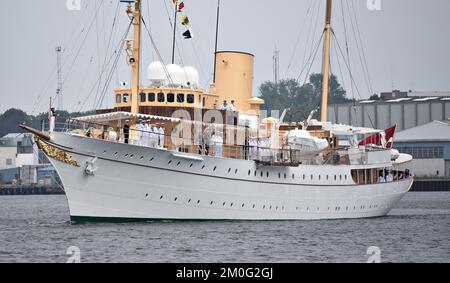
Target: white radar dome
{"points": [[177, 76], [156, 73], [192, 76]]}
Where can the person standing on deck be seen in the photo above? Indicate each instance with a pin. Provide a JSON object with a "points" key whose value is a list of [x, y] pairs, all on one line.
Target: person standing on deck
{"points": [[139, 128], [146, 134], [51, 120], [126, 131], [161, 133]]}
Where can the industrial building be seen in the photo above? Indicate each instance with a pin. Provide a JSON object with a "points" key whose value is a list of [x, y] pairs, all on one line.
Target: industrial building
{"points": [[429, 144], [21, 164], [406, 109]]}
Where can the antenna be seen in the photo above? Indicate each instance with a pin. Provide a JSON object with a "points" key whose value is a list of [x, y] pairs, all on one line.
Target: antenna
{"points": [[59, 91], [276, 65], [217, 40]]}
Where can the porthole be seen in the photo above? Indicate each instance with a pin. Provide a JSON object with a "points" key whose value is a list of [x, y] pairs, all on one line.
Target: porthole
{"points": [[312, 176], [242, 205], [282, 208], [285, 176], [249, 172], [255, 173], [229, 170], [276, 208], [190, 166], [198, 202], [178, 164], [231, 204], [267, 174], [279, 175], [261, 173], [340, 177], [126, 155], [320, 176], [215, 168], [189, 201], [105, 151], [327, 177], [131, 156], [161, 197], [264, 207], [345, 177], [151, 159], [223, 204], [170, 161], [296, 208], [270, 208], [235, 171], [146, 195], [115, 153], [203, 167], [175, 199], [346, 208], [318, 208], [211, 203], [293, 176], [253, 206], [304, 177], [335, 177], [142, 157]]}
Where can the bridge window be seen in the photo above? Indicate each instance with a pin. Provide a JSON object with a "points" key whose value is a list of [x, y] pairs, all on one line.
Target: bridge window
{"points": [[151, 97], [142, 96], [190, 98], [161, 97], [170, 97], [118, 98], [126, 97], [180, 98]]}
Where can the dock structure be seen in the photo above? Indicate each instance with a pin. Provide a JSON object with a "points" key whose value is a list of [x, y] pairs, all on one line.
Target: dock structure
{"points": [[30, 190]]}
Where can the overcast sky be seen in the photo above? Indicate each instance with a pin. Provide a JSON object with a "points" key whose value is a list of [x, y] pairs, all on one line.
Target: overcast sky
{"points": [[406, 44]]}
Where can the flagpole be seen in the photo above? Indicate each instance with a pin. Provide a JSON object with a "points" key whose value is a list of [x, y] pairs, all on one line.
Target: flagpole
{"points": [[217, 38], [174, 32]]}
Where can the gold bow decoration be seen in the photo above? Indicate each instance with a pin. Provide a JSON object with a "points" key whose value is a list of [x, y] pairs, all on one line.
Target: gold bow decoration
{"points": [[55, 153]]}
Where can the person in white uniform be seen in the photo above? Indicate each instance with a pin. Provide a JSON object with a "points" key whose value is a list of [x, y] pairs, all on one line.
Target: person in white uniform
{"points": [[139, 129], [161, 133], [51, 120], [146, 134], [155, 132]]}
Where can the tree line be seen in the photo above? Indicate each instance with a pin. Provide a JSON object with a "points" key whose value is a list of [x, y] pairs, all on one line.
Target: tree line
{"points": [[300, 99]]}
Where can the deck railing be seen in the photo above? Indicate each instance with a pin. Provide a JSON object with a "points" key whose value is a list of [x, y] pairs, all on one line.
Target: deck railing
{"points": [[264, 155]]}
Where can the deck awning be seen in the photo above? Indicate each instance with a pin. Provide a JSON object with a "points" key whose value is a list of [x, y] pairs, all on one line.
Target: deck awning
{"points": [[114, 116]]}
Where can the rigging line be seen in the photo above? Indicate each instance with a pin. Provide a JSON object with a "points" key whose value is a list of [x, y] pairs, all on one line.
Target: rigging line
{"points": [[109, 61], [339, 66], [82, 44], [298, 38], [362, 48], [351, 76], [112, 71], [346, 44], [358, 49], [315, 24], [309, 33], [112, 33], [98, 55], [158, 54], [311, 59]]}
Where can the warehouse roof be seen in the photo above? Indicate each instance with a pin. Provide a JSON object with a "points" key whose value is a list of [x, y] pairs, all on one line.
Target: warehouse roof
{"points": [[433, 131]]}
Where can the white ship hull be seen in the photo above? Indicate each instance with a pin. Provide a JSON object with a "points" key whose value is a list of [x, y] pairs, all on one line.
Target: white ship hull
{"points": [[137, 183]]}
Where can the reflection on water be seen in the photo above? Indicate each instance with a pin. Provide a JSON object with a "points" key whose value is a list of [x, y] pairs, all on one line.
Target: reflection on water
{"points": [[37, 229]]}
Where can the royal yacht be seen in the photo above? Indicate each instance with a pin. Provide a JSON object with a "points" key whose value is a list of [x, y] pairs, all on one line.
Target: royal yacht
{"points": [[213, 163]]}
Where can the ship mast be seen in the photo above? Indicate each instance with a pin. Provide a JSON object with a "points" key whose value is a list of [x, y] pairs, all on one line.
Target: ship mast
{"points": [[135, 58], [326, 63]]}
